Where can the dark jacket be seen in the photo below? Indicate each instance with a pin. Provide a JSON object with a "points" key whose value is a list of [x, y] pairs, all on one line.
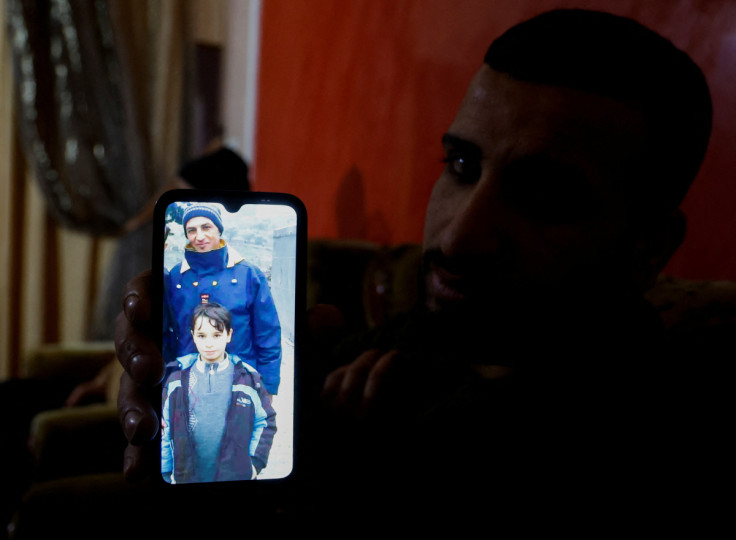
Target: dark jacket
{"points": [[249, 427]]}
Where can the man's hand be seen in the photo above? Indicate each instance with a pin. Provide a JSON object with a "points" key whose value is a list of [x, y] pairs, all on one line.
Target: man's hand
{"points": [[144, 369], [349, 391], [352, 391]]}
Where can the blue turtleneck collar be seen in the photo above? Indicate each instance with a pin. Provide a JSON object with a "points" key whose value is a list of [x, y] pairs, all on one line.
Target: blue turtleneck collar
{"points": [[209, 261]]}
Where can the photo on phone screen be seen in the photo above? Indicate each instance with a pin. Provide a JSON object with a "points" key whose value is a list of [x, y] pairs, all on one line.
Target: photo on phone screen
{"points": [[229, 280]]}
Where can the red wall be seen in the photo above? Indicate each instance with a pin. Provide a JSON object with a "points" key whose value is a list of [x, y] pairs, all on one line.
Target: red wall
{"points": [[355, 95]]}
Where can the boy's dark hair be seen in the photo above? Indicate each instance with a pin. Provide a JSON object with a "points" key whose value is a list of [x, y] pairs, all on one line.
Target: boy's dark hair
{"points": [[218, 315], [617, 57]]}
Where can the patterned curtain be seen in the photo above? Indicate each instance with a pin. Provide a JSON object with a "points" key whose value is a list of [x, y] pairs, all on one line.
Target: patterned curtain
{"points": [[100, 86]]}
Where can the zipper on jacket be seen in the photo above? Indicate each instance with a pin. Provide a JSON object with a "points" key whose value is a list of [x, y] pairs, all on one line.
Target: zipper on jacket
{"points": [[209, 378]]}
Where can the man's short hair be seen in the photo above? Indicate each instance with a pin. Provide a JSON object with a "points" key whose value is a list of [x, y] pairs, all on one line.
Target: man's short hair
{"points": [[619, 58], [219, 316]]}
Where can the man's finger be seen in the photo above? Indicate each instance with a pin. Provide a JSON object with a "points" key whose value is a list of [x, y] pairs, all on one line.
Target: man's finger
{"points": [[333, 383], [378, 378], [133, 462], [358, 371], [137, 353], [141, 463], [344, 387], [137, 300], [137, 416]]}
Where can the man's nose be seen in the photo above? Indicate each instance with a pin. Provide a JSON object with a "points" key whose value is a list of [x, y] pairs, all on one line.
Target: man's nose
{"points": [[477, 224]]}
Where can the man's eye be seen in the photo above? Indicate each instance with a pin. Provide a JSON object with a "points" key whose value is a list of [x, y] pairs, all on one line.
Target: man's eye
{"points": [[190, 231], [465, 169]]}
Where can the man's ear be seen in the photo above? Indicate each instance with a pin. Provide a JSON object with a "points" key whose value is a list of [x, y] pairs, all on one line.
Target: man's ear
{"points": [[230, 335], [656, 244]]}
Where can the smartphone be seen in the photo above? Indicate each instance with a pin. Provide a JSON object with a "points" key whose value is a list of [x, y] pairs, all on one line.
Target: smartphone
{"points": [[229, 271]]}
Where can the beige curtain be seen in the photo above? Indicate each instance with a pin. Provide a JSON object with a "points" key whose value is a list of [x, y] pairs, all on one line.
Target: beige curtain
{"points": [[96, 101]]}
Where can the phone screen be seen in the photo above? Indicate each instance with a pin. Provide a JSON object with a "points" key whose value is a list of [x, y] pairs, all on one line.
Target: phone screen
{"points": [[231, 274]]}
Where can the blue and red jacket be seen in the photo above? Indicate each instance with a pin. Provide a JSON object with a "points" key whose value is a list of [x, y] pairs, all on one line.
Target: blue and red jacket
{"points": [[225, 277], [249, 427]]}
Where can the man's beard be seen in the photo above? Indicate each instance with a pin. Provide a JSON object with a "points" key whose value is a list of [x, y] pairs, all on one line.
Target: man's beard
{"points": [[476, 310], [479, 304], [475, 286]]}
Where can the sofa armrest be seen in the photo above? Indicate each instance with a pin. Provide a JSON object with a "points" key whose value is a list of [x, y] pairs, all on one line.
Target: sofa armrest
{"points": [[78, 361], [76, 441]]}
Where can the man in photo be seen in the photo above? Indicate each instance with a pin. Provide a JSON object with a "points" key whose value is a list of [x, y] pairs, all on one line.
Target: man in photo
{"points": [[213, 271]]}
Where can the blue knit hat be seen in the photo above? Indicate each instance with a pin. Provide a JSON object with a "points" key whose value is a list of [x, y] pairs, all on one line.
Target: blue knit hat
{"points": [[202, 210]]}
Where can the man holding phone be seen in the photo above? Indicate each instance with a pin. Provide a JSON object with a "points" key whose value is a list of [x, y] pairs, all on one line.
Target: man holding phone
{"points": [[533, 373], [213, 271]]}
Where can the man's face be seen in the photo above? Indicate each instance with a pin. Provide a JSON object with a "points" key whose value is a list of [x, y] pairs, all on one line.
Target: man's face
{"points": [[203, 234], [531, 198], [210, 341]]}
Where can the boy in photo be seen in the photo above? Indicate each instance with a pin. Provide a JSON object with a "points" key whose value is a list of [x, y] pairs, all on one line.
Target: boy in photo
{"points": [[218, 423]]}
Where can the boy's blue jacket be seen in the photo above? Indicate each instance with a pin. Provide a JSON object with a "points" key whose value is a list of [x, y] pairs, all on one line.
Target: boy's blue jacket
{"points": [[249, 428], [225, 277]]}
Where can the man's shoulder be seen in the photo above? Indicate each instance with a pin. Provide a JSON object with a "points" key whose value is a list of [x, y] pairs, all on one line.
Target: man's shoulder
{"points": [[175, 272], [245, 265], [246, 270]]}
